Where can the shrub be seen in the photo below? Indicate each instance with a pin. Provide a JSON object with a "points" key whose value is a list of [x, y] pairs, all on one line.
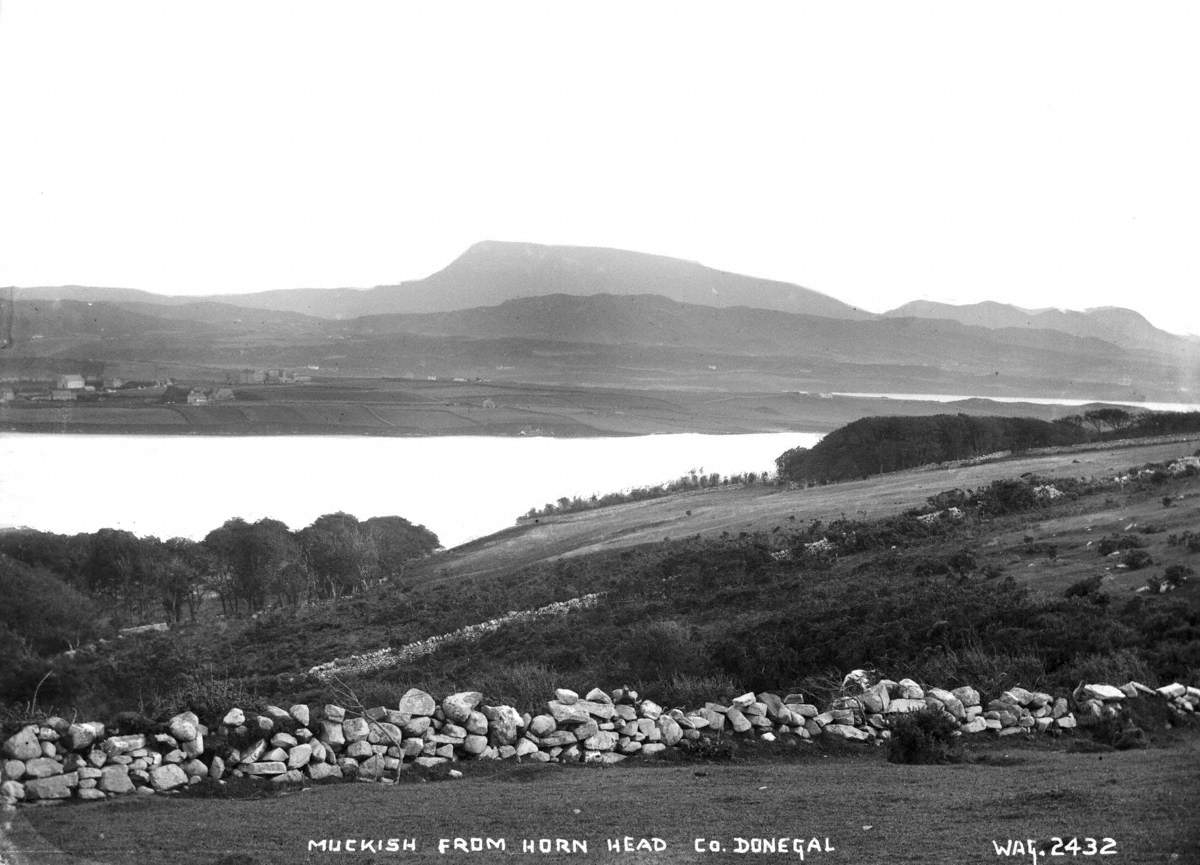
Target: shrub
{"points": [[1177, 575], [1136, 559], [1116, 543], [928, 736]]}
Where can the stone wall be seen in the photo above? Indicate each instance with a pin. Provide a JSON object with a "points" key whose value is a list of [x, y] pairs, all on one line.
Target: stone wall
{"points": [[62, 760]]}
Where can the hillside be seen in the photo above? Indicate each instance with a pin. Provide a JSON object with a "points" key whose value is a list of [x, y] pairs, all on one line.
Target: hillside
{"points": [[734, 589], [1122, 327]]}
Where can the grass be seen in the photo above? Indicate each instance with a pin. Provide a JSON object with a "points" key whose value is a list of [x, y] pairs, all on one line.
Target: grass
{"points": [[869, 809]]}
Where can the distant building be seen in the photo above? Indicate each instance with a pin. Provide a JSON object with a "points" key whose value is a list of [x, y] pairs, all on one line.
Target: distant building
{"points": [[114, 383], [197, 396], [7, 394], [222, 393], [60, 394], [70, 381]]}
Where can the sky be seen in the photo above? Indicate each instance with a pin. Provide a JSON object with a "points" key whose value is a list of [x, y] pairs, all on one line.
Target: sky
{"points": [[1041, 154]]}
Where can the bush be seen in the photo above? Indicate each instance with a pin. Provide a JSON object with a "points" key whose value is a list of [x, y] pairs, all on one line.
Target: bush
{"points": [[928, 736], [1117, 543], [1136, 559], [1177, 575]]}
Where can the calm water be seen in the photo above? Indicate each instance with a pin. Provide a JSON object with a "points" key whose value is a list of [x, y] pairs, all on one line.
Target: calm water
{"points": [[459, 487]]}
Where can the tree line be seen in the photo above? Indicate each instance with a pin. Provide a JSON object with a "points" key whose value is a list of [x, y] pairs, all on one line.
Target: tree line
{"points": [[247, 565], [696, 479], [876, 445]]}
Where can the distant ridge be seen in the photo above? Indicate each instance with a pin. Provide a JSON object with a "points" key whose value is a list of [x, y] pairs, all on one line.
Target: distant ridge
{"points": [[1116, 325]]}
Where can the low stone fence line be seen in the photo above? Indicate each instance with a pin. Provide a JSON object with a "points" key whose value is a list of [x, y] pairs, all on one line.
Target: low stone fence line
{"points": [[62, 760], [384, 658]]}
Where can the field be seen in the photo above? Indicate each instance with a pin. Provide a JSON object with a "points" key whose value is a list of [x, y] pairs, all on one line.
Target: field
{"points": [[383, 406], [852, 801]]}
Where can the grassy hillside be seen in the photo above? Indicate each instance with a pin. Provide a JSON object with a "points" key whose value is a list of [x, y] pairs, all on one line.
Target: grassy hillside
{"points": [[1016, 591]]}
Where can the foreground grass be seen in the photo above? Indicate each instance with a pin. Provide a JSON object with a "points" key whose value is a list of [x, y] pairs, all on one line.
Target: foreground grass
{"points": [[870, 811]]}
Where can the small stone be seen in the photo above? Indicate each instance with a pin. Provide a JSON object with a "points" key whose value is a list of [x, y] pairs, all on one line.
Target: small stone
{"points": [[216, 769], [845, 731], [234, 718], [271, 768]]}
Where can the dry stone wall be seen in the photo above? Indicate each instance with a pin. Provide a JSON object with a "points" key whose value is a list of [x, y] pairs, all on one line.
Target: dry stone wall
{"points": [[58, 759]]}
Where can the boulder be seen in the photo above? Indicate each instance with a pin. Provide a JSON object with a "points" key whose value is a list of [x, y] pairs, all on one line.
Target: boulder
{"points": [[82, 736], [542, 725], [952, 704], [568, 713], [504, 723], [738, 721], [566, 696], [477, 723], [458, 707], [874, 700], [845, 731], [1173, 691], [558, 739], [652, 748], [804, 710], [773, 703], [53, 787], [254, 752], [744, 701], [356, 729], [907, 689], [182, 728], [235, 717], [603, 711], [584, 730], [114, 745], [904, 705], [1102, 692], [976, 725], [167, 777], [602, 740], [300, 714], [333, 713], [277, 715], [115, 779], [195, 747], [967, 695], [23, 745], [265, 768], [299, 756], [416, 725], [194, 769], [216, 769], [359, 750], [320, 771], [525, 748], [283, 740], [475, 744], [650, 709], [597, 696], [1018, 696], [42, 767], [12, 770], [671, 731], [11, 792], [1066, 722]]}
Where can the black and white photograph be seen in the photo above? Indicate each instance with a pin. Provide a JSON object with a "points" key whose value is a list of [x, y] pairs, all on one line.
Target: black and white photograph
{"points": [[657, 432]]}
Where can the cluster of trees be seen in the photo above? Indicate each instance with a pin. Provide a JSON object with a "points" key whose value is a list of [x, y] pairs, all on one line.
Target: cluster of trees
{"points": [[248, 565], [694, 480], [875, 445]]}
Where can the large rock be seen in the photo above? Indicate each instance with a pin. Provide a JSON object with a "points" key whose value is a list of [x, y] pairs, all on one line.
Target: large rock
{"points": [[504, 722], [333, 713], [235, 717], [356, 729], [907, 689], [738, 721], [167, 777], [597, 696], [12, 770], [23, 745], [320, 771], [300, 714], [845, 731], [182, 728], [114, 745], [299, 756], [11, 792], [1018, 696], [475, 744], [42, 767], [976, 725], [416, 702], [458, 707], [568, 713], [542, 725], [1102, 692], [1173, 691], [372, 768], [904, 705], [82, 736], [671, 731], [566, 696], [650, 709], [416, 725], [54, 787], [875, 699], [603, 711], [952, 704], [968, 695], [272, 768], [115, 779]]}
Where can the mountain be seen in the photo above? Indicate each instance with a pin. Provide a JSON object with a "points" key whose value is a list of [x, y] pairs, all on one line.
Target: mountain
{"points": [[1116, 325], [492, 272]]}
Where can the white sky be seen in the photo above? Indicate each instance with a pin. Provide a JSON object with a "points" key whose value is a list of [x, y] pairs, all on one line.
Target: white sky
{"points": [[1034, 153]]}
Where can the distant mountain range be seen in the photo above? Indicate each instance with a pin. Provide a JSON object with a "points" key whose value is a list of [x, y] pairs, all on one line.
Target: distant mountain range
{"points": [[556, 313]]}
